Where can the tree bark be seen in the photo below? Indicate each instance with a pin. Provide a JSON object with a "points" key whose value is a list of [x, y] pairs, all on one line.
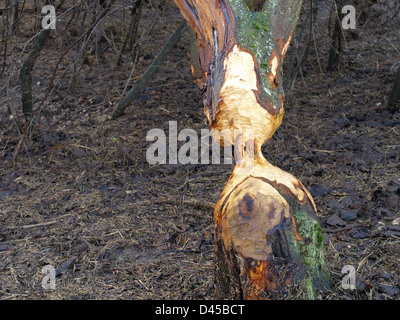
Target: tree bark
{"points": [[394, 97], [27, 70], [124, 102], [131, 35], [268, 243]]}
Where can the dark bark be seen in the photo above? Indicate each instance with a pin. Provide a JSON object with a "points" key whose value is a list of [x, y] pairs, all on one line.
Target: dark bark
{"points": [[131, 35]]}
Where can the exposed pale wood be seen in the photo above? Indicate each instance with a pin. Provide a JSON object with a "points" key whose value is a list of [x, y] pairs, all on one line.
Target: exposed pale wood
{"points": [[394, 97]]}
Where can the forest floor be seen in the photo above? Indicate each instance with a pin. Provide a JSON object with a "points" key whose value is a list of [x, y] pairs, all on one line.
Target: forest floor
{"points": [[81, 196]]}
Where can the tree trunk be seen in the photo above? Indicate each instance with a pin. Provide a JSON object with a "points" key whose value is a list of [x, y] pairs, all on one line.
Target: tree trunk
{"points": [[268, 240], [27, 70], [394, 98], [337, 37]]}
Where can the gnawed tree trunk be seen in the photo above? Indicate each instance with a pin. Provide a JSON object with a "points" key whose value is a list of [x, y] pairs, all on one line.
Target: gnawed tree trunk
{"points": [[394, 97], [14, 21], [268, 240]]}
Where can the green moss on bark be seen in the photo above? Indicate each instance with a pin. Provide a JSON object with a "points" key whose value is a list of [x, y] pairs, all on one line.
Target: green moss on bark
{"points": [[309, 251]]}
